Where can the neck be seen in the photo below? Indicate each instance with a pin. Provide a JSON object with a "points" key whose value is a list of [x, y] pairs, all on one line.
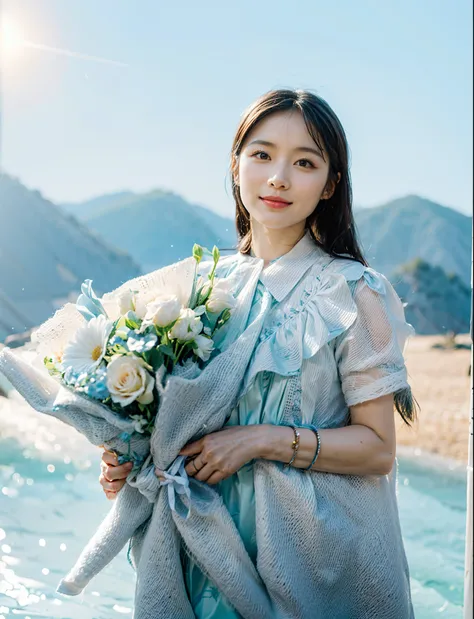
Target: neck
{"points": [[270, 243]]}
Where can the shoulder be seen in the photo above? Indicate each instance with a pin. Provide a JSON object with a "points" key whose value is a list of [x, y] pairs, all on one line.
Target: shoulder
{"points": [[335, 274]]}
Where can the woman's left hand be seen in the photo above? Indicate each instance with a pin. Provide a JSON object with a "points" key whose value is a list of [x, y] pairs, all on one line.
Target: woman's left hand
{"points": [[219, 455]]}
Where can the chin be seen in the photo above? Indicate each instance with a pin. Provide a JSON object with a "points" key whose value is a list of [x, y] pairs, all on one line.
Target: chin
{"points": [[276, 219]]}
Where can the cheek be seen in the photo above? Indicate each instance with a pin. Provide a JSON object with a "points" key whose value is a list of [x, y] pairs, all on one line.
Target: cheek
{"points": [[250, 175]]}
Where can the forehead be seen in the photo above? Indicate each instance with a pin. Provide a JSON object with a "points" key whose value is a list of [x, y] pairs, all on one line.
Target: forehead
{"points": [[283, 128]]}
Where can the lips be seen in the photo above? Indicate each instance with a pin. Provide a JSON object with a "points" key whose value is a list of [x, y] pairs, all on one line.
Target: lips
{"points": [[274, 202]]}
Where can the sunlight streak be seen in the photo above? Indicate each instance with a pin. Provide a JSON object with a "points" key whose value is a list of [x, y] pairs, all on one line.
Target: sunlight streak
{"points": [[66, 52], [12, 40]]}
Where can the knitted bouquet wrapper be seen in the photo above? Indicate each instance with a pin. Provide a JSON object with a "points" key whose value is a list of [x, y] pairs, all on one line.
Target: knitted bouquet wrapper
{"points": [[194, 401]]}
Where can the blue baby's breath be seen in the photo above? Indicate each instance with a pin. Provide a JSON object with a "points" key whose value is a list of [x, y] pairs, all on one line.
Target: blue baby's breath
{"points": [[141, 342], [116, 340], [96, 385], [97, 390], [70, 377]]}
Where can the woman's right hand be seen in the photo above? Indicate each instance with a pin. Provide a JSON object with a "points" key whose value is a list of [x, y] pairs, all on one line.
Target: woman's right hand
{"points": [[113, 475]]}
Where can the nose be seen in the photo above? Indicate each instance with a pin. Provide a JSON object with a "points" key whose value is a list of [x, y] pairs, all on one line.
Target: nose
{"points": [[278, 181]]}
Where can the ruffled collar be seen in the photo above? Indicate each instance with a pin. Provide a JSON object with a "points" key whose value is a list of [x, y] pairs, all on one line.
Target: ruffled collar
{"points": [[283, 273]]}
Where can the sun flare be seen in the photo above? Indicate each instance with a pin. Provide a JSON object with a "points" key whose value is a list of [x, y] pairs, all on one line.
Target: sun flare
{"points": [[11, 38]]}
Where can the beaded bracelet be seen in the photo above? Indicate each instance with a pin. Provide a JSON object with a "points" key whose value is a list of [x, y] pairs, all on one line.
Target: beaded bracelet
{"points": [[318, 445], [295, 444]]}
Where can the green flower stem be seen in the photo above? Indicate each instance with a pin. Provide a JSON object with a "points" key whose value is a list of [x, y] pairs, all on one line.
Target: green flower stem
{"points": [[180, 349]]}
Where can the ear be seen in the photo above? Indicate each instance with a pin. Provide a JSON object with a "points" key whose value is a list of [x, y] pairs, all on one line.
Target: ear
{"points": [[329, 191]]}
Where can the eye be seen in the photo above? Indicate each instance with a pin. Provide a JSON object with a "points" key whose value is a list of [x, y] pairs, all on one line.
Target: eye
{"points": [[307, 161], [259, 152]]}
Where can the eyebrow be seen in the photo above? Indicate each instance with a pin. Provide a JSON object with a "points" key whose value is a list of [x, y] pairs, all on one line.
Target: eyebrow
{"points": [[305, 149]]}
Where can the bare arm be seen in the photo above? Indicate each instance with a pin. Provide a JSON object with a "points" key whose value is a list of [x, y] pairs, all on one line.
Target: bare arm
{"points": [[367, 447]]}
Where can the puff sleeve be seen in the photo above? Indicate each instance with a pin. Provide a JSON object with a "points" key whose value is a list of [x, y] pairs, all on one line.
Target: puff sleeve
{"points": [[369, 355]]}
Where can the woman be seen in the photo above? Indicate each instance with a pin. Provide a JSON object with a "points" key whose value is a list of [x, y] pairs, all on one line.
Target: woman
{"points": [[314, 425]]}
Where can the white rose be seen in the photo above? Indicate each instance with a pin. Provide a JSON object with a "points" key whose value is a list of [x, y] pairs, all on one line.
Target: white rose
{"points": [[187, 327], [205, 345], [163, 311], [126, 302], [127, 381], [221, 297]]}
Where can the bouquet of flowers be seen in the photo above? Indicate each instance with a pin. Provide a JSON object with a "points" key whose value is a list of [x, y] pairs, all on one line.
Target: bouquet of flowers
{"points": [[129, 342], [108, 365]]}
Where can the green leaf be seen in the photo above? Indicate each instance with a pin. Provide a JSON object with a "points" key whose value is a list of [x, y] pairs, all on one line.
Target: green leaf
{"points": [[155, 358], [131, 324], [167, 350], [212, 319]]}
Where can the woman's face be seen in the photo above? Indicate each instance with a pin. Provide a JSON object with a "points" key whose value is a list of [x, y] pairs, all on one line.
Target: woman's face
{"points": [[289, 165]]}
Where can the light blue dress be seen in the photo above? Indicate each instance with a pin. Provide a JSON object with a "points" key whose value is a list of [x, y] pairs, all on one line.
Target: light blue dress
{"points": [[237, 491], [333, 371]]}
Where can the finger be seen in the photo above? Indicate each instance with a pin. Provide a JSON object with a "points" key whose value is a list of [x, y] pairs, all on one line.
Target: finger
{"points": [[194, 466], [192, 448], [113, 473], [110, 495], [204, 474], [115, 486], [215, 478], [110, 458]]}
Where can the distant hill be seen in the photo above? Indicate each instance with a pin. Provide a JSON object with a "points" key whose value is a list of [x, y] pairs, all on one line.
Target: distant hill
{"points": [[45, 255], [156, 228], [436, 302], [392, 234], [159, 227], [413, 227], [95, 206]]}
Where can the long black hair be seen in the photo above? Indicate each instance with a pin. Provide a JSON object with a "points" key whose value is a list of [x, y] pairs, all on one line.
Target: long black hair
{"points": [[332, 223]]}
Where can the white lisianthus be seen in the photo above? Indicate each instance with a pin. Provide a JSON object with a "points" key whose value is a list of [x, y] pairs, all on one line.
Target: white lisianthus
{"points": [[187, 326], [87, 349], [142, 299], [204, 284], [221, 297], [205, 347], [111, 308], [127, 381], [126, 302], [163, 311]]}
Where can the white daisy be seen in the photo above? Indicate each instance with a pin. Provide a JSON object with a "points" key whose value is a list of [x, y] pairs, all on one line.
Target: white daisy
{"points": [[85, 352]]}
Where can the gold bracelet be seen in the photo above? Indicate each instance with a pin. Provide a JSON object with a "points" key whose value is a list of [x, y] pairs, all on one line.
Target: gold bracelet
{"points": [[295, 444]]}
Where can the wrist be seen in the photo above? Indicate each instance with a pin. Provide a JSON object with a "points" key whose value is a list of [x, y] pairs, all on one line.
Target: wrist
{"points": [[269, 441]]}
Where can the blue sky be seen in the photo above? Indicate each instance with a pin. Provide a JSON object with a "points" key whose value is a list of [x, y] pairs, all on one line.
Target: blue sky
{"points": [[398, 74]]}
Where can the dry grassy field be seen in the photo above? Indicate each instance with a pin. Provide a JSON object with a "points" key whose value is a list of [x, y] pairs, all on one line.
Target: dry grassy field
{"points": [[440, 382]]}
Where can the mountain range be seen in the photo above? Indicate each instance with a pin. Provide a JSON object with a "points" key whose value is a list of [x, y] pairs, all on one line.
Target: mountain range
{"points": [[46, 250], [435, 301], [159, 227], [156, 228], [413, 227], [45, 255]]}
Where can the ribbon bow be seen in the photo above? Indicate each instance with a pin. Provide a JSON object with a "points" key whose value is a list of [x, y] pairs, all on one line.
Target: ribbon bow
{"points": [[177, 481]]}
